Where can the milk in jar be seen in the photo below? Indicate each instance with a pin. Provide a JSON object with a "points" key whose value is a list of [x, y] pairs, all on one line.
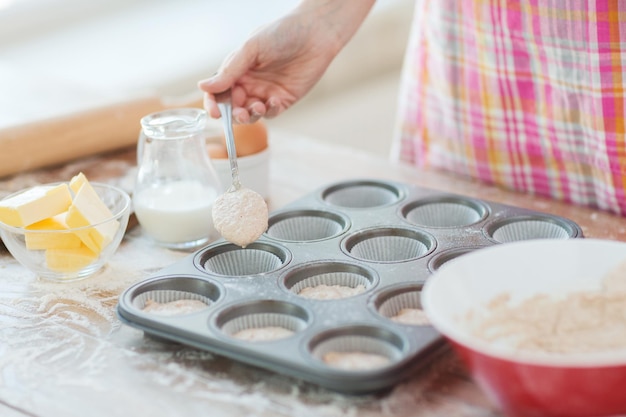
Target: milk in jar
{"points": [[178, 212], [176, 184]]}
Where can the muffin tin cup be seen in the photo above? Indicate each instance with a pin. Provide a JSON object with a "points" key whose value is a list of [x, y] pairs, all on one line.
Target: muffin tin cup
{"points": [[388, 244], [362, 194], [444, 212], [447, 255], [357, 348], [401, 304], [271, 319], [330, 277], [227, 259], [169, 288], [530, 226], [306, 225], [369, 243]]}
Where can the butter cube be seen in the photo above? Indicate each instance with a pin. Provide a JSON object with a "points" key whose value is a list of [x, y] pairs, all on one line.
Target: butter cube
{"points": [[47, 239], [88, 209], [69, 260], [77, 181], [35, 205]]}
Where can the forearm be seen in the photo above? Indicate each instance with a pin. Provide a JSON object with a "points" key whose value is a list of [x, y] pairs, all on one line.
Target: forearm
{"points": [[340, 18]]}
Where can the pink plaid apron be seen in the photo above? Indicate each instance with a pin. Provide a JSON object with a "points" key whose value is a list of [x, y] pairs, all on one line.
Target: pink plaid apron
{"points": [[523, 94]]}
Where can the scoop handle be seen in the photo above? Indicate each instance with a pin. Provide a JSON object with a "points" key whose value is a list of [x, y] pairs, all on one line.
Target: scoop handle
{"points": [[224, 103]]}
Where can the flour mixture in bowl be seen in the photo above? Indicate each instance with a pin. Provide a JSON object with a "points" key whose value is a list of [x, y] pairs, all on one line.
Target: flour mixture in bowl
{"points": [[577, 322], [240, 216]]}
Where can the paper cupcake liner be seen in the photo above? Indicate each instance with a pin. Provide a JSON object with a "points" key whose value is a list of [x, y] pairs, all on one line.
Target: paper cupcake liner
{"points": [[170, 296], [263, 321], [346, 279], [444, 214], [361, 195], [437, 261], [363, 342], [174, 288], [403, 306], [304, 226], [526, 229], [329, 274], [263, 315], [241, 262], [408, 299], [389, 245]]}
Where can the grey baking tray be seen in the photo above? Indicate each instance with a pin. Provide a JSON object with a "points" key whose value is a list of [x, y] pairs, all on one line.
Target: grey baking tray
{"points": [[384, 238]]}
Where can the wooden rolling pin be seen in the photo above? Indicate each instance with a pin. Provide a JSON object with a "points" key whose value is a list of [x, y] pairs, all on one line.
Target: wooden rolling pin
{"points": [[53, 141]]}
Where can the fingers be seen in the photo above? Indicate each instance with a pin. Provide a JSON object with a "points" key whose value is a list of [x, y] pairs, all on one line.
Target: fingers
{"points": [[208, 99], [250, 113], [211, 106], [274, 107], [220, 81], [241, 115], [216, 84], [245, 109], [256, 109]]}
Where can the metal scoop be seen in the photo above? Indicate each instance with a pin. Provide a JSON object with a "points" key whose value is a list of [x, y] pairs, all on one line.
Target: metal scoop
{"points": [[225, 105], [240, 215]]}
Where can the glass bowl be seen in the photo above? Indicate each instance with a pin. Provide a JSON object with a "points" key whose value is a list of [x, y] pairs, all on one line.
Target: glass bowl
{"points": [[61, 255]]}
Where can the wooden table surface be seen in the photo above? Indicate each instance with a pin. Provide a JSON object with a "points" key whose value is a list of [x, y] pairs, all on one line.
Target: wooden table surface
{"points": [[63, 351]]}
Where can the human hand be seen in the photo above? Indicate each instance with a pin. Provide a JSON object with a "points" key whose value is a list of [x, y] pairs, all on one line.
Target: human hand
{"points": [[282, 61]]}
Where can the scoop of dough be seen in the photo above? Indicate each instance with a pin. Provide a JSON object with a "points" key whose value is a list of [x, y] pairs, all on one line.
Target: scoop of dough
{"points": [[355, 361], [260, 334], [173, 308], [240, 216]]}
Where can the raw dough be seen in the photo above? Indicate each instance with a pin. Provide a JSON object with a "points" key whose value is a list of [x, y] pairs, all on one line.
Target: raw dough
{"points": [[259, 334], [584, 321], [355, 361], [240, 216], [415, 316], [173, 308], [331, 292]]}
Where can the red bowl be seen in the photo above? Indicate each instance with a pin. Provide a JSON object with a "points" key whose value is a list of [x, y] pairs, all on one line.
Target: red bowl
{"points": [[530, 383]]}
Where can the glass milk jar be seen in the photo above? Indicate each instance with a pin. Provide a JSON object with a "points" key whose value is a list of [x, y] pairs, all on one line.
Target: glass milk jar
{"points": [[176, 184]]}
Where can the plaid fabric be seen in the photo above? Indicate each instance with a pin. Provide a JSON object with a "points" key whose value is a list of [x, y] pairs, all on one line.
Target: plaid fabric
{"points": [[524, 94]]}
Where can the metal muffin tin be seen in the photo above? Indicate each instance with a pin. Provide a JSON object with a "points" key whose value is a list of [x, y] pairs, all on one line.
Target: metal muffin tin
{"points": [[388, 237]]}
